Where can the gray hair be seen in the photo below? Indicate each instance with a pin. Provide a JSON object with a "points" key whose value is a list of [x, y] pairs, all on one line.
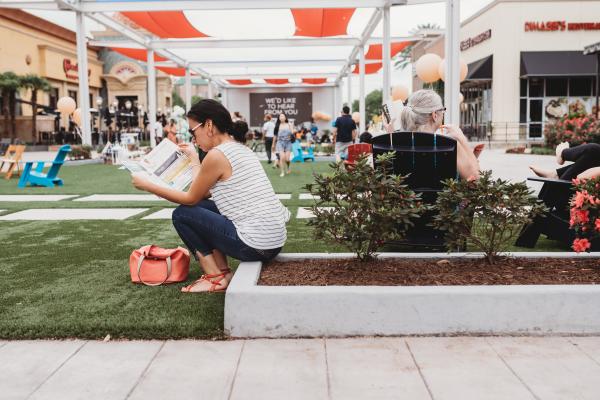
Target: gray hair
{"points": [[418, 111]]}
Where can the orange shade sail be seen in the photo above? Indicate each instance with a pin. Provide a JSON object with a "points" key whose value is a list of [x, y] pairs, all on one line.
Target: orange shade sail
{"points": [[137, 54], [376, 50], [277, 81], [314, 81], [172, 71], [240, 81], [322, 22], [371, 68], [165, 24]]}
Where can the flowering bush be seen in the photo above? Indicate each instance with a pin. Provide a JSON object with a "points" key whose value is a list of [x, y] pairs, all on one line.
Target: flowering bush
{"points": [[585, 213], [574, 128]]}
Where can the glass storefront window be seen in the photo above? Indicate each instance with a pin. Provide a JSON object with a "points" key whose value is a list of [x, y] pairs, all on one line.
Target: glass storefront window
{"points": [[53, 98], [523, 87], [535, 130], [536, 87], [535, 110], [523, 110], [557, 87], [580, 86], [73, 95]]}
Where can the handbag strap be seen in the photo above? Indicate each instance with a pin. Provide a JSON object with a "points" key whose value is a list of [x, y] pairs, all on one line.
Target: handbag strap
{"points": [[139, 269]]}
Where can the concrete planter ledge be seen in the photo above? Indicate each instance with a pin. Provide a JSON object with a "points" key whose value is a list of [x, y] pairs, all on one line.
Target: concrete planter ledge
{"points": [[337, 311]]}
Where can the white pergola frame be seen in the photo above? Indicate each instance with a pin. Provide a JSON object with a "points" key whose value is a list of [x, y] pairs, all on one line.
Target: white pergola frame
{"points": [[97, 11]]}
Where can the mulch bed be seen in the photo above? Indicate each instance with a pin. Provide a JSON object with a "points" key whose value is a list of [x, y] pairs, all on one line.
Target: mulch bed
{"points": [[407, 272]]}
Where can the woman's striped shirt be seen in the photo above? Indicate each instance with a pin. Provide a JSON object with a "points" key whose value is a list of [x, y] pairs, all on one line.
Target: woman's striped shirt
{"points": [[248, 200]]}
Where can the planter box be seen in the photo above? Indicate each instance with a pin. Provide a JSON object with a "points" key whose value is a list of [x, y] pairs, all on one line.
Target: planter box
{"points": [[317, 311]]}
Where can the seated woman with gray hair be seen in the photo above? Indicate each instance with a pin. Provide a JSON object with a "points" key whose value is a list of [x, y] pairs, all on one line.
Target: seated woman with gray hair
{"points": [[424, 112]]}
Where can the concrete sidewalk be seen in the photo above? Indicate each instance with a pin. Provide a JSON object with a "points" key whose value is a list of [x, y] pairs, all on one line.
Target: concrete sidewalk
{"points": [[363, 368]]}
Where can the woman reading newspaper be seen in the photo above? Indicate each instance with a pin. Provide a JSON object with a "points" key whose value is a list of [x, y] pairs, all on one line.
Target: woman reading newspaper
{"points": [[242, 219]]}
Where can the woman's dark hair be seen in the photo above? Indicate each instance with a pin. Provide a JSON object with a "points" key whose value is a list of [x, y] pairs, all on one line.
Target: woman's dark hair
{"points": [[365, 137], [211, 109], [239, 131], [276, 132]]}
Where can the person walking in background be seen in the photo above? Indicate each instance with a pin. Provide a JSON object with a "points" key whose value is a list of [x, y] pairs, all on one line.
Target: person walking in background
{"points": [[268, 130], [344, 134], [284, 133]]}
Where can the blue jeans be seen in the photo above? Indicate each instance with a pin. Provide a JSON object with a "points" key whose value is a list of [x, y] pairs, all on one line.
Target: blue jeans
{"points": [[202, 228]]}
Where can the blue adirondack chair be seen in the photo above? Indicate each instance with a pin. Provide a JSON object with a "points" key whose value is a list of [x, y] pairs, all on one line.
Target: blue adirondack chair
{"points": [[299, 155], [39, 178]]}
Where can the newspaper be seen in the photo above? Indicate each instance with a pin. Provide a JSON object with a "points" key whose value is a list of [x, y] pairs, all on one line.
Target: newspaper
{"points": [[166, 165]]}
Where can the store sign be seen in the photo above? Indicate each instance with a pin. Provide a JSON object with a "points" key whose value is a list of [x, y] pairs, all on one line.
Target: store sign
{"points": [[474, 41], [297, 106], [555, 26], [72, 70]]}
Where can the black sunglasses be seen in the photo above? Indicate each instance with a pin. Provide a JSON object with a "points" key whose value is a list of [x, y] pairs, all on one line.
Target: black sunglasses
{"points": [[192, 130]]}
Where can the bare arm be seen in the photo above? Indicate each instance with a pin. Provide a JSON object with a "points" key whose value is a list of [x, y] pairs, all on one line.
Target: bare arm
{"points": [[215, 167]]}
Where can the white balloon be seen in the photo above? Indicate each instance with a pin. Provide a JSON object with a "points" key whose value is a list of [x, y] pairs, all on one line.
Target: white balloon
{"points": [[66, 105], [427, 67], [464, 70], [77, 116]]}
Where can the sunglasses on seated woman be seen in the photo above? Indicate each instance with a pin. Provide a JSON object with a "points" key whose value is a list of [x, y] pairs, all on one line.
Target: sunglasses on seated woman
{"points": [[192, 130]]}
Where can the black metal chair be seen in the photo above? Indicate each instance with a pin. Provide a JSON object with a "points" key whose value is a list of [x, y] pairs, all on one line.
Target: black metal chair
{"points": [[554, 224], [428, 159]]}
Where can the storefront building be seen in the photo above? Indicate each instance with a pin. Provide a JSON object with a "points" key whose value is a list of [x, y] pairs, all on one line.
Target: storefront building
{"points": [[526, 66], [31, 45]]}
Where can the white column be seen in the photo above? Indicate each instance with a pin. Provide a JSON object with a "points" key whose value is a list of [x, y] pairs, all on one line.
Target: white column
{"points": [[151, 96], [349, 78], [188, 89], [210, 89], [361, 93], [386, 56], [452, 83], [84, 87], [335, 107]]}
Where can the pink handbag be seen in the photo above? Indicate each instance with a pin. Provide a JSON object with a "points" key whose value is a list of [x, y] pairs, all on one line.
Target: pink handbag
{"points": [[154, 266]]}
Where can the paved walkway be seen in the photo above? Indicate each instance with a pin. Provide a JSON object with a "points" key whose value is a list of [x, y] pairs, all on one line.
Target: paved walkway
{"points": [[364, 368]]}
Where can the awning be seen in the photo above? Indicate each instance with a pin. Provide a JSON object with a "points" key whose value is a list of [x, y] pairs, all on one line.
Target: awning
{"points": [[556, 63], [481, 69], [591, 49], [322, 22]]}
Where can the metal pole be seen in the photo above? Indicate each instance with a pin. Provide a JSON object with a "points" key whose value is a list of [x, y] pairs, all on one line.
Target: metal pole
{"points": [[350, 90], [386, 54], [361, 93], [452, 48], [84, 87], [188, 89], [210, 89], [151, 96], [598, 85]]}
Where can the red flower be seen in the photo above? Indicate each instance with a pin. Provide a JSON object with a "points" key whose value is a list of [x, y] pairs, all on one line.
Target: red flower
{"points": [[598, 224], [579, 216], [579, 199], [580, 245]]}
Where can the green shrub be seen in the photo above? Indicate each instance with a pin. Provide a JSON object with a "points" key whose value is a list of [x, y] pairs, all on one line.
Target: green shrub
{"points": [[485, 214], [80, 152], [369, 206]]}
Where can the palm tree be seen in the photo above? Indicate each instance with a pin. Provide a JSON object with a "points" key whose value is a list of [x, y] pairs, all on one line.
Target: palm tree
{"points": [[403, 58], [34, 83], [9, 84]]}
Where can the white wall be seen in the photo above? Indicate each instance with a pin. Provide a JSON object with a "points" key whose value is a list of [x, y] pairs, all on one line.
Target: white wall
{"points": [[238, 99], [509, 39]]}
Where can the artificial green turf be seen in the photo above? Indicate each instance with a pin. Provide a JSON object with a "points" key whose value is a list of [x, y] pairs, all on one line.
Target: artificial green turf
{"points": [[71, 278]]}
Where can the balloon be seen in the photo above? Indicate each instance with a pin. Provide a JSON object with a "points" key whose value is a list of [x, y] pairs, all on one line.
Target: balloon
{"points": [[399, 92], [66, 105], [77, 116], [427, 67], [356, 116], [320, 116], [464, 70]]}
